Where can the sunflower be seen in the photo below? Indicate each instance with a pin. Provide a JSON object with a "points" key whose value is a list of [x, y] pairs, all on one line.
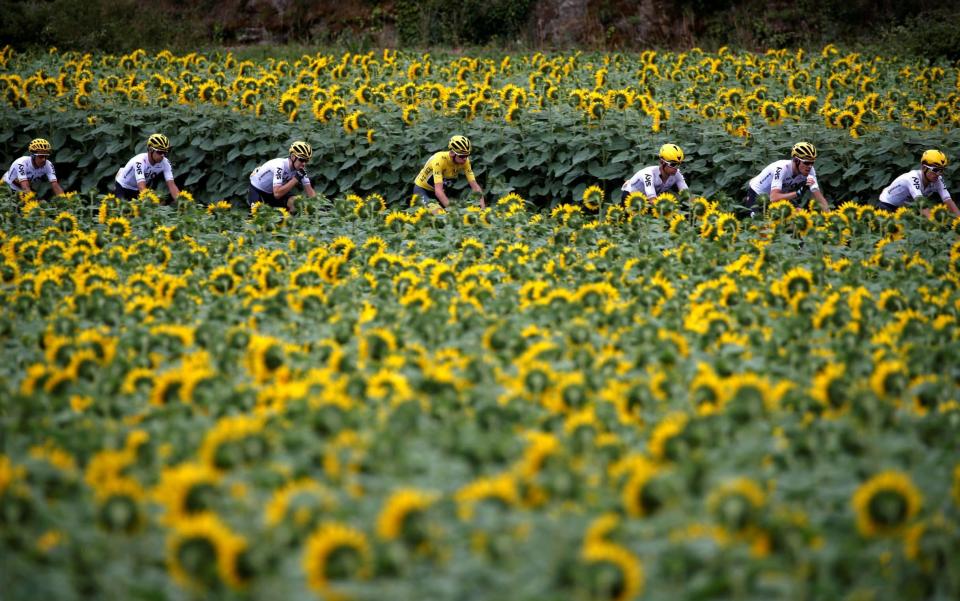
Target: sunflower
{"points": [[641, 494], [889, 379], [669, 428], [410, 114], [613, 572], [335, 552], [202, 551], [233, 440], [708, 392], [302, 501], [186, 490], [795, 283], [120, 504], [402, 517], [885, 504], [118, 227], [773, 112], [736, 504], [592, 198], [502, 489]]}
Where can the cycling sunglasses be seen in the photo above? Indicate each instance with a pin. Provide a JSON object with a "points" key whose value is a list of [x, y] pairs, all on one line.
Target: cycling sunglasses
{"points": [[674, 164], [808, 163], [461, 156], [937, 170]]}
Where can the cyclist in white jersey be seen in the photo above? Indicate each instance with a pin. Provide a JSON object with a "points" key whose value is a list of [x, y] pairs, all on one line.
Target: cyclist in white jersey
{"points": [[32, 168], [790, 179], [273, 182], [144, 170], [655, 180], [925, 181]]}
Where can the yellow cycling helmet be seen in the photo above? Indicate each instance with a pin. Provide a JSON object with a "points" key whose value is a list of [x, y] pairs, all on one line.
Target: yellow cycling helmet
{"points": [[40, 146], [301, 150], [805, 151], [671, 153], [933, 158], [158, 142], [460, 145]]}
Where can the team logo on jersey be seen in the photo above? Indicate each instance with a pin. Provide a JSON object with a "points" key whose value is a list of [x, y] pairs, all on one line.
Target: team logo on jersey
{"points": [[916, 182], [648, 179]]}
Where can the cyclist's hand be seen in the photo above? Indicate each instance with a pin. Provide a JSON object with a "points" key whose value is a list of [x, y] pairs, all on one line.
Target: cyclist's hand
{"points": [[300, 174], [483, 202], [802, 192]]}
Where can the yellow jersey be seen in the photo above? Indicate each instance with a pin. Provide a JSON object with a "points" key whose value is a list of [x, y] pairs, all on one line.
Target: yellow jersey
{"points": [[443, 170]]}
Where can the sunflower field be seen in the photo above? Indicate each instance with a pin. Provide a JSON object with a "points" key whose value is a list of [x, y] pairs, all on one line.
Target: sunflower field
{"points": [[560, 396], [545, 126]]}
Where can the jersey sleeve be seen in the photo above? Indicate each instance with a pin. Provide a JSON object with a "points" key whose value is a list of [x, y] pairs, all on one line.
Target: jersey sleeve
{"points": [[634, 184], [437, 170], [277, 176], [138, 173], [50, 171], [21, 172], [167, 170], [777, 182], [916, 191], [942, 189], [468, 172]]}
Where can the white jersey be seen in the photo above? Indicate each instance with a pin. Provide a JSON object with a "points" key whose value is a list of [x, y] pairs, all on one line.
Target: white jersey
{"points": [[140, 169], [906, 188], [649, 181], [23, 168], [274, 172], [779, 175]]}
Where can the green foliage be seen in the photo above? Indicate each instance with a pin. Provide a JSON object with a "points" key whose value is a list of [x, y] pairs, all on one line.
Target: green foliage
{"points": [[96, 25], [466, 22]]}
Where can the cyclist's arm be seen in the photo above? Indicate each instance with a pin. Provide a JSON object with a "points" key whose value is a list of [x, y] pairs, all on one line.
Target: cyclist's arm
{"points": [[23, 184], [174, 191], [681, 183], [283, 189], [441, 195], [824, 205], [140, 177], [308, 188], [946, 198], [472, 180], [776, 194], [476, 188], [52, 178]]}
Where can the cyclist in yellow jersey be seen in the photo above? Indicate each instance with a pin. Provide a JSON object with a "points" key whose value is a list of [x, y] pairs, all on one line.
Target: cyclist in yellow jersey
{"points": [[440, 171]]}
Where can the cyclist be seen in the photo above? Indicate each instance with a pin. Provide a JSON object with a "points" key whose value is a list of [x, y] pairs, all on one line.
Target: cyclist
{"points": [[273, 182], [144, 170], [925, 181], [655, 180], [790, 179], [31, 168], [441, 170]]}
